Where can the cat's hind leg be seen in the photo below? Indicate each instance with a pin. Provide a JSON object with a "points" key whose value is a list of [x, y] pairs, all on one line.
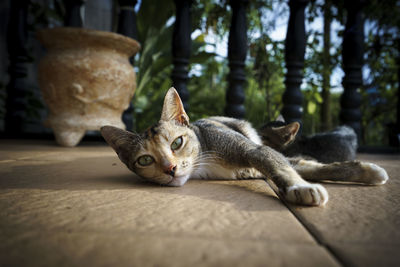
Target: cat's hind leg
{"points": [[348, 171]]}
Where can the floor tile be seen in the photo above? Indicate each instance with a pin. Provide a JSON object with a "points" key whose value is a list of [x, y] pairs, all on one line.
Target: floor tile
{"points": [[359, 217], [131, 249], [82, 206]]}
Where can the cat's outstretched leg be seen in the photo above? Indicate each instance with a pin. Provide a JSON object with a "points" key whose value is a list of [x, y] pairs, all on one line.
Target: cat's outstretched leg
{"points": [[290, 184], [348, 171], [237, 151]]}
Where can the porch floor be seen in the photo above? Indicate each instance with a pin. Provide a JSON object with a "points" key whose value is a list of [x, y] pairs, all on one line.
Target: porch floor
{"points": [[82, 207]]}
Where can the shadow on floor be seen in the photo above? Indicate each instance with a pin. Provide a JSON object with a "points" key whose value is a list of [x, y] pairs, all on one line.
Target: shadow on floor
{"points": [[105, 173]]}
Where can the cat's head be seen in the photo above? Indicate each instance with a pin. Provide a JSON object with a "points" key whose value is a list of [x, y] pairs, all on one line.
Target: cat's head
{"points": [[166, 152], [278, 134]]}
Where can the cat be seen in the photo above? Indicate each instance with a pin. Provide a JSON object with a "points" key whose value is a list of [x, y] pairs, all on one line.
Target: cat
{"points": [[339, 144], [172, 151]]}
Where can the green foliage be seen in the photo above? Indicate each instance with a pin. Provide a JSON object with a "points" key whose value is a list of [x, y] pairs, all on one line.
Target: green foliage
{"points": [[208, 84], [380, 82], [380, 90], [379, 95], [265, 63], [311, 108], [154, 62], [211, 16], [265, 80], [207, 90]]}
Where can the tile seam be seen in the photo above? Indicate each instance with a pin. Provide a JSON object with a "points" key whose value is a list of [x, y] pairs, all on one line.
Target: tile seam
{"points": [[310, 231]]}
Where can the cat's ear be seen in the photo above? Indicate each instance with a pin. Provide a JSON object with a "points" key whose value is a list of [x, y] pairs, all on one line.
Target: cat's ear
{"points": [[288, 132], [280, 118], [173, 108], [291, 131], [123, 142]]}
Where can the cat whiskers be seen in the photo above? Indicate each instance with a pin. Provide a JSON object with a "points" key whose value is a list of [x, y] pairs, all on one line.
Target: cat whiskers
{"points": [[206, 158]]}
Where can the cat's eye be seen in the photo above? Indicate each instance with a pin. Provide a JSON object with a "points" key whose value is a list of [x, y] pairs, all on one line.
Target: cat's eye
{"points": [[177, 143], [145, 160]]}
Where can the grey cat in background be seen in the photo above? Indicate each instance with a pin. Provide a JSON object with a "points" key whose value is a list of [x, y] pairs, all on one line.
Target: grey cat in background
{"points": [[173, 150], [339, 144]]}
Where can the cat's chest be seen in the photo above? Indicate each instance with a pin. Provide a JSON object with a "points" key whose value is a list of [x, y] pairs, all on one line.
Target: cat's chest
{"points": [[218, 171]]}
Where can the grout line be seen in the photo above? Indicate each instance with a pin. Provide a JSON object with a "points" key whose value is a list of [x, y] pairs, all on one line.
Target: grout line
{"points": [[315, 236], [308, 228]]}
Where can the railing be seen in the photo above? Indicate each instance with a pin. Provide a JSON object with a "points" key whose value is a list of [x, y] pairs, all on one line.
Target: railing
{"points": [[237, 48]]}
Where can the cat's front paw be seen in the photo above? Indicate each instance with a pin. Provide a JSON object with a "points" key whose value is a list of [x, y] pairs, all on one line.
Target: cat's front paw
{"points": [[307, 194], [373, 174]]}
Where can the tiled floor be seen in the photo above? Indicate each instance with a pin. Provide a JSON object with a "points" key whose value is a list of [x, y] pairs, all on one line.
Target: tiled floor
{"points": [[81, 207]]}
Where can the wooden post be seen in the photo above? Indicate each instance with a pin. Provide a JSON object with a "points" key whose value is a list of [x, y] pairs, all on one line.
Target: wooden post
{"points": [[394, 128], [73, 16], [353, 46], [181, 47], [17, 88], [326, 118], [295, 45], [237, 51], [398, 86], [127, 26]]}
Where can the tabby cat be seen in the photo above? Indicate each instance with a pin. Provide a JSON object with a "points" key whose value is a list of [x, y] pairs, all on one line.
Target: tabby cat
{"points": [[172, 151], [339, 144]]}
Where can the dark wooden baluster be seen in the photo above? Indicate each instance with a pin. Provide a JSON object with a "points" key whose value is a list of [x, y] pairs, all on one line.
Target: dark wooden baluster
{"points": [[394, 128], [398, 94], [127, 26], [127, 18], [73, 16], [237, 50], [398, 86], [181, 46], [353, 44], [295, 45], [17, 88]]}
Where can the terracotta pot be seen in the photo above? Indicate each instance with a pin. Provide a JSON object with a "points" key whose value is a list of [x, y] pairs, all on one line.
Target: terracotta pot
{"points": [[86, 80]]}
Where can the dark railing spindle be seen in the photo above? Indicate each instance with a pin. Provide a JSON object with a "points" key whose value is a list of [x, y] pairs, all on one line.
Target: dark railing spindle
{"points": [[394, 128], [237, 50], [127, 26], [398, 84], [295, 45], [398, 90], [17, 88], [127, 18], [181, 46], [353, 44], [73, 16]]}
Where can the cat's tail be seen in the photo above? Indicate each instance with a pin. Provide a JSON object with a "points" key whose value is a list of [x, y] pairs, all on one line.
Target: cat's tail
{"points": [[348, 171]]}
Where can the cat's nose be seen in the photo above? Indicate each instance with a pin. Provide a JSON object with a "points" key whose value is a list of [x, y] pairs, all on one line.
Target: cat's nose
{"points": [[170, 170]]}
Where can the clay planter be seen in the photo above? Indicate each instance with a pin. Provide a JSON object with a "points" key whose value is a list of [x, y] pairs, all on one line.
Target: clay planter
{"points": [[86, 80]]}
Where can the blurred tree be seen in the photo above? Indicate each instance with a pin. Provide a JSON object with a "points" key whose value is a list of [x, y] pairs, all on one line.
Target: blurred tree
{"points": [[326, 117]]}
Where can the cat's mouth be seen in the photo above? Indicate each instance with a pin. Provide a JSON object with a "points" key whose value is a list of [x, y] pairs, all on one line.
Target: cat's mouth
{"points": [[178, 180]]}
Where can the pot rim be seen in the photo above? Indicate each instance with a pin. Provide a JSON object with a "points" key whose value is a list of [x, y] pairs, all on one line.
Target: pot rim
{"points": [[72, 37]]}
